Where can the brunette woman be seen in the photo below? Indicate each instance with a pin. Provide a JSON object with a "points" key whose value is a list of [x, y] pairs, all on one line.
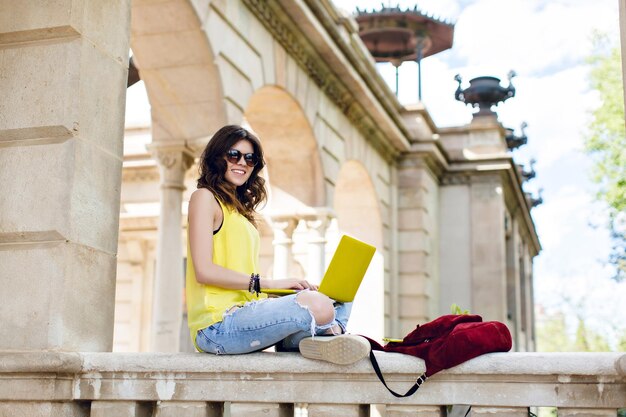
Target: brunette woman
{"points": [[227, 313]]}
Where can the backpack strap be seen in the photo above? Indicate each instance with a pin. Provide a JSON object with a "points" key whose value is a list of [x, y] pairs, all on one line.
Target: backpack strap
{"points": [[379, 374]]}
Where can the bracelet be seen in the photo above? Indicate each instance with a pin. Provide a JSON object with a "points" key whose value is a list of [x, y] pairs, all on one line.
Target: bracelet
{"points": [[257, 284], [251, 283], [254, 286]]}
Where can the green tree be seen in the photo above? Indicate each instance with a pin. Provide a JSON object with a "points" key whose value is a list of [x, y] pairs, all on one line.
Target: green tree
{"points": [[589, 341], [606, 142], [552, 334]]}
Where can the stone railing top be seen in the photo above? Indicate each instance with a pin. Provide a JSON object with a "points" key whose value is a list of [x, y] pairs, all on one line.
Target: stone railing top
{"points": [[497, 379], [517, 363]]}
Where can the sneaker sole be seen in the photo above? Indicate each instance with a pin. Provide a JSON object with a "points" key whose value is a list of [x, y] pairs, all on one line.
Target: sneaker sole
{"points": [[340, 350]]}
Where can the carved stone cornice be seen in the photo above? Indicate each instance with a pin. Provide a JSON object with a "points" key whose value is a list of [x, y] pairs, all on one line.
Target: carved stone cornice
{"points": [[455, 179], [287, 34], [140, 174]]}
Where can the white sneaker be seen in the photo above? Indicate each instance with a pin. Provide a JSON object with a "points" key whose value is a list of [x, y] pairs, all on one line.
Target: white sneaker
{"points": [[342, 349]]}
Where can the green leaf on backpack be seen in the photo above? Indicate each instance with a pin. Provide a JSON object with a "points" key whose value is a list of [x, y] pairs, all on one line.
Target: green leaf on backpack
{"points": [[456, 309]]}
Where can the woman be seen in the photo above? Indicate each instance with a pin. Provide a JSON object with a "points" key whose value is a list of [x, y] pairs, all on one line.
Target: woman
{"points": [[226, 312]]}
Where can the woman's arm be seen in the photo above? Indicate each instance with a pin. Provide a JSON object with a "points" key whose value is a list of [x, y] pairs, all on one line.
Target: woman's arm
{"points": [[204, 211]]}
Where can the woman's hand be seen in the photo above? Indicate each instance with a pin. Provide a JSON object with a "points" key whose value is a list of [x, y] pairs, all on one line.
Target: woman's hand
{"points": [[287, 284]]}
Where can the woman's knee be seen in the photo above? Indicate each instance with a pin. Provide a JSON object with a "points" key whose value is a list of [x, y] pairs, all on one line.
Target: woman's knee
{"points": [[320, 306]]}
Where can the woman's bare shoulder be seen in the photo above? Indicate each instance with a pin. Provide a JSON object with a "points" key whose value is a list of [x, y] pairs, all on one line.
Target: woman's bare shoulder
{"points": [[202, 193], [203, 198]]}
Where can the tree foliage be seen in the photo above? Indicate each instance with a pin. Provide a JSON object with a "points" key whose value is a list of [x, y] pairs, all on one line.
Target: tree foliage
{"points": [[552, 336], [606, 143]]}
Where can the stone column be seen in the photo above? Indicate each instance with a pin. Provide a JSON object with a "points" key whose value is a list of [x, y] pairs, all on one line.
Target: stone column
{"points": [[401, 410], [64, 67], [488, 248], [317, 225], [167, 310], [283, 227], [417, 228]]}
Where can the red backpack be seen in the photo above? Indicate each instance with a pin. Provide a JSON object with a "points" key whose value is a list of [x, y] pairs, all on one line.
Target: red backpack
{"points": [[446, 342]]}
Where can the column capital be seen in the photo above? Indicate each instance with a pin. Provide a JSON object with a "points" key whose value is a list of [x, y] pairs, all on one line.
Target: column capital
{"points": [[283, 227], [173, 159]]}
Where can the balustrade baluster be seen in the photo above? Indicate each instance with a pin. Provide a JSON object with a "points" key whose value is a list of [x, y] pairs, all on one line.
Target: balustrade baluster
{"points": [[399, 410], [261, 409], [188, 409], [338, 410], [121, 409], [499, 411], [586, 412]]}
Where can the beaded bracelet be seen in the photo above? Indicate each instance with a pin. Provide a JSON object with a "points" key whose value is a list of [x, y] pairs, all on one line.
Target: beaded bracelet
{"points": [[255, 284]]}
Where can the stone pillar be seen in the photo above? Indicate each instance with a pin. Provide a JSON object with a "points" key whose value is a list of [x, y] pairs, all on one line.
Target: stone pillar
{"points": [[488, 250], [500, 411], [283, 227], [188, 409], [418, 284], [64, 67], [120, 409], [515, 282], [586, 412], [261, 409], [169, 280], [316, 249], [338, 410], [401, 410]]}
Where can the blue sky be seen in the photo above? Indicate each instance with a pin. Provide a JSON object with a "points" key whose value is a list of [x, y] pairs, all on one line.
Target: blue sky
{"points": [[546, 43]]}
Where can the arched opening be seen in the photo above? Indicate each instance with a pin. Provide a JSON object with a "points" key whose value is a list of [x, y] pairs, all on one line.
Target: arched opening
{"points": [[358, 215], [176, 62], [294, 176], [293, 162]]}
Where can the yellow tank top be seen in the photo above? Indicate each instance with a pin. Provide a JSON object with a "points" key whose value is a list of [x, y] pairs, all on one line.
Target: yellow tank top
{"points": [[236, 247]]}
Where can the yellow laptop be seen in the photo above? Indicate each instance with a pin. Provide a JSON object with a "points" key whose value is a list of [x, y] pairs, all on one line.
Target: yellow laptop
{"points": [[345, 271]]}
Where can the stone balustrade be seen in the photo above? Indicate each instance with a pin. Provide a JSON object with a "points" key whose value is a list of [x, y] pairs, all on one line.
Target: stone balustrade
{"points": [[272, 384]]}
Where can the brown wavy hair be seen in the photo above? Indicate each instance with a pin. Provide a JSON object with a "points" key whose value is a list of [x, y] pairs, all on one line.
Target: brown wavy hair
{"points": [[212, 168]]}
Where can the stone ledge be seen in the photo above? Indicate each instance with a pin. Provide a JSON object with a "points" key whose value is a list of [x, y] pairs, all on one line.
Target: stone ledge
{"points": [[40, 362], [512, 363], [583, 380], [255, 363], [533, 363]]}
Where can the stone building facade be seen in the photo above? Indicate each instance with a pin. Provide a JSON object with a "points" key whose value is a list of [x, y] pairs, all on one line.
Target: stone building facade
{"points": [[343, 157]]}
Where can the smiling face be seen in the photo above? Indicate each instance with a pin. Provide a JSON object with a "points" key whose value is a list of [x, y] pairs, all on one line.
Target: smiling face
{"points": [[238, 173]]}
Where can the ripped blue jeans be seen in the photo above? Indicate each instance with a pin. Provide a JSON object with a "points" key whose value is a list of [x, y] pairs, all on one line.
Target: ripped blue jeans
{"points": [[261, 324]]}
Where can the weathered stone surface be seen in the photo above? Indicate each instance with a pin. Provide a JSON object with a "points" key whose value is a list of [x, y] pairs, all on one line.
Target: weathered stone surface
{"points": [[587, 412], [397, 410], [43, 409], [56, 290], [338, 410], [261, 409], [189, 409], [131, 383], [500, 411], [120, 409]]}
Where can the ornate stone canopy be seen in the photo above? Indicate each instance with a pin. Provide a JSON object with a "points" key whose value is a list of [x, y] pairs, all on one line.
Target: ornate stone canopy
{"points": [[395, 35]]}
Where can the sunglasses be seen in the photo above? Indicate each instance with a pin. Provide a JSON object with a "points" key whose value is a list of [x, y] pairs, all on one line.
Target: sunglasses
{"points": [[233, 156]]}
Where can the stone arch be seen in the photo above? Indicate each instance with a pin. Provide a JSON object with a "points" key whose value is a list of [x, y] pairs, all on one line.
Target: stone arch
{"points": [[358, 214], [356, 204], [293, 162], [176, 62]]}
